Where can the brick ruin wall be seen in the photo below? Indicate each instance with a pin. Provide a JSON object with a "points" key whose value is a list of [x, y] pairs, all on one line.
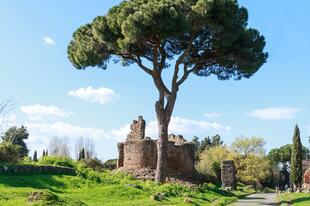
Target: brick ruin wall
{"points": [[306, 179], [140, 152], [228, 174]]}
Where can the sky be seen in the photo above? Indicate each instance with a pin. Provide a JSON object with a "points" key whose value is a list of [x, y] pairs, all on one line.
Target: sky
{"points": [[54, 99]]}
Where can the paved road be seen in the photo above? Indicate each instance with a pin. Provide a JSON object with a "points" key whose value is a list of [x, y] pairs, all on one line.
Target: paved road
{"points": [[258, 199]]}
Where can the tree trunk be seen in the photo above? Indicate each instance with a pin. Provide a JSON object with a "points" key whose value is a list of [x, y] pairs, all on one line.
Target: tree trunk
{"points": [[163, 119], [162, 147]]}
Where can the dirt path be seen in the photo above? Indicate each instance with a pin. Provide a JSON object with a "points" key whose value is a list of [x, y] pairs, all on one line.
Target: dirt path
{"points": [[258, 199]]}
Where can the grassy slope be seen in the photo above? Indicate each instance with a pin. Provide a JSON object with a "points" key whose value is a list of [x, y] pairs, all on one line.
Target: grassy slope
{"points": [[296, 199], [77, 191]]}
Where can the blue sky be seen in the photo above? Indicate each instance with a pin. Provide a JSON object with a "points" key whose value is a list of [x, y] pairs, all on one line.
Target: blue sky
{"points": [[37, 75]]}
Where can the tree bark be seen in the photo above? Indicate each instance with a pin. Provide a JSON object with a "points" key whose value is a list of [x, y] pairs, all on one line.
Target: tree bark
{"points": [[162, 147], [163, 119]]}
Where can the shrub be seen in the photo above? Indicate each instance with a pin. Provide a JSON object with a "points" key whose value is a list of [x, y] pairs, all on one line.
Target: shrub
{"points": [[57, 161], [252, 169], [93, 163], [210, 161], [9, 152], [110, 164], [26, 160]]}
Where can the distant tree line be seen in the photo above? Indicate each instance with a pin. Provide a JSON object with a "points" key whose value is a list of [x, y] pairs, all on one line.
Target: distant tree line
{"points": [[281, 167]]}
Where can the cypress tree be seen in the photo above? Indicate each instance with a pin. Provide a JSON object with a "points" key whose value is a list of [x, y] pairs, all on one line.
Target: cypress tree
{"points": [[35, 156], [296, 160], [82, 154], [43, 153]]}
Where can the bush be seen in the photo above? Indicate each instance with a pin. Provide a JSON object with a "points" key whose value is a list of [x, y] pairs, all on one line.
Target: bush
{"points": [[57, 161], [9, 152], [27, 161], [210, 161], [252, 169], [110, 164], [94, 163]]}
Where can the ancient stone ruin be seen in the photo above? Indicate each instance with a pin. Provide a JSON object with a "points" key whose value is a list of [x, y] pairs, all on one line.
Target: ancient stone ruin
{"points": [[138, 154], [306, 180], [228, 174]]}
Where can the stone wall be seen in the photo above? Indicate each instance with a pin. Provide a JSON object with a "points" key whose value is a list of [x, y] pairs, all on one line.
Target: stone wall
{"points": [[181, 160], [137, 130], [228, 174], [306, 179], [140, 153], [120, 159], [35, 169]]}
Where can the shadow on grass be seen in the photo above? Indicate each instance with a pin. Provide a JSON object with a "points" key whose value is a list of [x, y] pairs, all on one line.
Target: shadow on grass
{"points": [[301, 199], [33, 181], [296, 200]]}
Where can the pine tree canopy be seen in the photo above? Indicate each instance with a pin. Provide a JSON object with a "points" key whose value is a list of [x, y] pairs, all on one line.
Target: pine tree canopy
{"points": [[17, 136], [206, 36]]}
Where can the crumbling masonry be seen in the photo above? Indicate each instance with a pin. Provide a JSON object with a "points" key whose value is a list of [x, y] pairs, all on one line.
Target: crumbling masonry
{"points": [[228, 174], [139, 153], [306, 179]]}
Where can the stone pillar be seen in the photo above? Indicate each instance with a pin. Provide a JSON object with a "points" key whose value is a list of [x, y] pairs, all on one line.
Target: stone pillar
{"points": [[228, 174], [120, 160]]}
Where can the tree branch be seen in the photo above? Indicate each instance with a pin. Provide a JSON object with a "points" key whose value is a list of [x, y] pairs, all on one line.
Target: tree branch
{"points": [[175, 83], [163, 57], [186, 73]]}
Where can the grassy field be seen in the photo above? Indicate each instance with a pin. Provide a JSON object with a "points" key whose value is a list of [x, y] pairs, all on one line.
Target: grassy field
{"points": [[298, 199], [78, 191]]}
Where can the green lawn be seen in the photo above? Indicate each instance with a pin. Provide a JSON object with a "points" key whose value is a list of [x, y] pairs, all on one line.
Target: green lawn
{"points": [[77, 191], [298, 199]]}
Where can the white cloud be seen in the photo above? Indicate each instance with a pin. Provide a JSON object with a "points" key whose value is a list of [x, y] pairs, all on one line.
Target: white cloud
{"points": [[62, 129], [100, 95], [186, 127], [40, 112], [212, 114], [275, 113], [49, 41]]}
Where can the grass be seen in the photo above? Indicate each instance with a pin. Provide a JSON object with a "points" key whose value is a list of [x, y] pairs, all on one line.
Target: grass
{"points": [[296, 199], [114, 191]]}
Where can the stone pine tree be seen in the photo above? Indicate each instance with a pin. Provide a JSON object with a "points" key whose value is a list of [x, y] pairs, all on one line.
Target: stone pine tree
{"points": [[182, 37], [17, 136], [35, 156], [296, 160]]}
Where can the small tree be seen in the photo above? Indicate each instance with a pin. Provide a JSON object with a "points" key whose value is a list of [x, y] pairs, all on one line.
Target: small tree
{"points": [[9, 152], [248, 145], [252, 169], [43, 154], [189, 36], [210, 161], [196, 143], [17, 136], [296, 160], [82, 154], [35, 156], [216, 141]]}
